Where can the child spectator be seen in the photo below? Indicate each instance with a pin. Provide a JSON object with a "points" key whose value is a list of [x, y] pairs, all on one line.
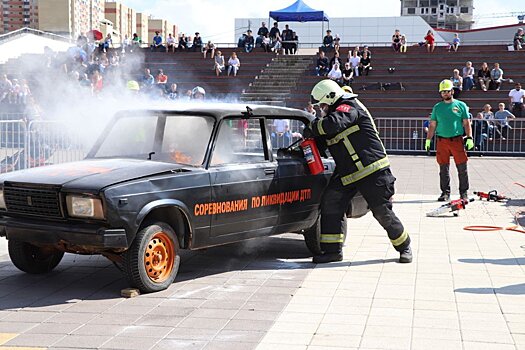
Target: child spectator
{"points": [[403, 44], [322, 64], [468, 76], [454, 45], [219, 63], [396, 40], [484, 76], [457, 81], [233, 64], [496, 77], [430, 41]]}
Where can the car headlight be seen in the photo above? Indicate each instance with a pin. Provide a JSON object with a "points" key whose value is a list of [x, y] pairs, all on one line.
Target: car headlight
{"points": [[2, 201], [84, 207]]}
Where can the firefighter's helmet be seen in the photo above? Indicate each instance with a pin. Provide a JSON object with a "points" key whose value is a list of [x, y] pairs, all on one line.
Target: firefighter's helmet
{"points": [[133, 85], [446, 85], [327, 91]]}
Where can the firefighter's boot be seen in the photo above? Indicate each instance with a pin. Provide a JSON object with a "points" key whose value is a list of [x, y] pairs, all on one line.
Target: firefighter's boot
{"points": [[444, 182], [405, 256], [327, 257]]}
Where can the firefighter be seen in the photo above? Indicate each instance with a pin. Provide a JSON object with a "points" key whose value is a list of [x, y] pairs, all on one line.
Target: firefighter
{"points": [[347, 129]]}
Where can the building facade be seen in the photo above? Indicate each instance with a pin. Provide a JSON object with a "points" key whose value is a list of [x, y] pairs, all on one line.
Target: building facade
{"points": [[17, 14], [70, 17], [447, 14], [142, 26], [124, 19]]}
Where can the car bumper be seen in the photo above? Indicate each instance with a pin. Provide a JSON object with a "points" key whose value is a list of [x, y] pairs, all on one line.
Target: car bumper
{"points": [[81, 237]]}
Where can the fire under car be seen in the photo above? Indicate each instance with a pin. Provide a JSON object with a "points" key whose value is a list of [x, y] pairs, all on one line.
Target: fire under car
{"points": [[160, 180]]}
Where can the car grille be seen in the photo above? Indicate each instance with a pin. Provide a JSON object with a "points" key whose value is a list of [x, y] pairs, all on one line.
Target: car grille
{"points": [[32, 201]]}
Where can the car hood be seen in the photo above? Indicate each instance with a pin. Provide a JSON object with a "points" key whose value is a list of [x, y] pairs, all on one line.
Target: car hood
{"points": [[93, 175]]}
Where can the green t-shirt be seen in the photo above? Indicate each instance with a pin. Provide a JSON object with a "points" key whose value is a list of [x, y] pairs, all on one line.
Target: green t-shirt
{"points": [[449, 118]]}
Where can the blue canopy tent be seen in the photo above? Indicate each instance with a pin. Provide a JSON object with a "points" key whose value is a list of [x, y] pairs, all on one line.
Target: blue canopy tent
{"points": [[300, 12]]}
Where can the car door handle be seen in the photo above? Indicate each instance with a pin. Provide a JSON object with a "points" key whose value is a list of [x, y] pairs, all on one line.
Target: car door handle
{"points": [[269, 171]]}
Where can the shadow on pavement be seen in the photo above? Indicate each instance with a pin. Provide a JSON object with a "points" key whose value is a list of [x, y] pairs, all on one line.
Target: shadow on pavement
{"points": [[515, 289], [507, 261]]}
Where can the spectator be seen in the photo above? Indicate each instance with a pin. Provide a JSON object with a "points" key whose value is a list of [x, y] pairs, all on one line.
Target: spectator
{"points": [[219, 63], [484, 76], [496, 77], [287, 37], [355, 61], [365, 49], [183, 43], [310, 109], [457, 82], [488, 116], [96, 82], [328, 41], [197, 43], [172, 92], [365, 65], [274, 32], [5, 88], [249, 41], [126, 44], [501, 116], [170, 43], [396, 40], [468, 76], [147, 80], [294, 44], [403, 44], [157, 43], [263, 30], [454, 45], [266, 43], [233, 64], [516, 100], [198, 93], [519, 40], [241, 40], [336, 59], [348, 74], [277, 45], [106, 44], [161, 77], [281, 136], [480, 131], [430, 41], [135, 41], [337, 42], [209, 47], [322, 66], [335, 73]]}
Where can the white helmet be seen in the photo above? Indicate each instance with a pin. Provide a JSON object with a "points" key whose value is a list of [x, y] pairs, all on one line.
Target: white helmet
{"points": [[327, 91], [198, 90]]}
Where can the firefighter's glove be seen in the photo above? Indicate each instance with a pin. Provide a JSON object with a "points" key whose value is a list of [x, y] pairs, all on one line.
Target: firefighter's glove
{"points": [[469, 143], [308, 133], [427, 145]]}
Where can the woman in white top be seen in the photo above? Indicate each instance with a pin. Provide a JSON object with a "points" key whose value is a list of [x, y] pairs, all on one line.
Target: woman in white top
{"points": [[354, 63], [335, 73], [233, 64]]}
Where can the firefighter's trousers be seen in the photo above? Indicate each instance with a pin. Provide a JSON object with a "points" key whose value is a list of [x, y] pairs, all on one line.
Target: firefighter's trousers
{"points": [[377, 189]]}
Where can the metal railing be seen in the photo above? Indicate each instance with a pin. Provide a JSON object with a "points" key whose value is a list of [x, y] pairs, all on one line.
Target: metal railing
{"points": [[491, 137]]}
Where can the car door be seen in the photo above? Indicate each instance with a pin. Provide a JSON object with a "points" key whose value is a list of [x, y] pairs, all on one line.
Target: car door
{"points": [[244, 182]]}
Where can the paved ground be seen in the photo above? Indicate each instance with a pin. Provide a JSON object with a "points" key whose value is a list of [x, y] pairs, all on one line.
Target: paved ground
{"points": [[465, 290]]}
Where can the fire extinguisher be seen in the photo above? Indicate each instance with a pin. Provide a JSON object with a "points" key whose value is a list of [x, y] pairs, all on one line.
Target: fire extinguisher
{"points": [[312, 156]]}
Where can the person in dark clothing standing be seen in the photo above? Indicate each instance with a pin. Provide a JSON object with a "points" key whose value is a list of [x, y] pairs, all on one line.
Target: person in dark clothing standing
{"points": [[287, 36], [275, 32], [347, 129]]}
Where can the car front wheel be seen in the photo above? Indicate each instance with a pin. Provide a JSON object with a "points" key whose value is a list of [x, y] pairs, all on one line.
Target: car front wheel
{"points": [[32, 259], [152, 262]]}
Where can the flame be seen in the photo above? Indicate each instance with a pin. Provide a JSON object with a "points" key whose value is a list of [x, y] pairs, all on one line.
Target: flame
{"points": [[180, 157]]}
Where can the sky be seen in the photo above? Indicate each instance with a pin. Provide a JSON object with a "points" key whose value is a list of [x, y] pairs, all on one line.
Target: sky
{"points": [[215, 19]]}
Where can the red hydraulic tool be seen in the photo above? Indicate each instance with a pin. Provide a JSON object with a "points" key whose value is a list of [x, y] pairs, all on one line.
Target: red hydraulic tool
{"points": [[451, 207], [491, 196]]}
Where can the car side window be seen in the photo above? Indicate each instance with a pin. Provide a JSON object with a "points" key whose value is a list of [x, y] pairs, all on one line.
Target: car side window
{"points": [[239, 141], [284, 132]]}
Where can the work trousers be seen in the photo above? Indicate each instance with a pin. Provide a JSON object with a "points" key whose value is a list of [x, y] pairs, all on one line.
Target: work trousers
{"points": [[376, 189], [445, 148]]}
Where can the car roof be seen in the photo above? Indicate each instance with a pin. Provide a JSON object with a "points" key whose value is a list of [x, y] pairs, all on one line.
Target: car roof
{"points": [[221, 110]]}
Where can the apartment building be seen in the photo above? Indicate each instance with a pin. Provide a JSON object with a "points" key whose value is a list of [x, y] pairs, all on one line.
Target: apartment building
{"points": [[70, 17], [16, 14], [124, 19], [448, 14]]}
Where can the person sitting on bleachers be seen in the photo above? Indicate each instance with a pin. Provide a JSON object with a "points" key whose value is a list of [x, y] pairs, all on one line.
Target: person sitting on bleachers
{"points": [[277, 45], [457, 81], [266, 42], [209, 47], [183, 42], [157, 43], [106, 44], [219, 63], [335, 73], [519, 41], [170, 43], [172, 92], [348, 74], [365, 65], [249, 41], [294, 44], [322, 66], [484, 76], [496, 77], [468, 76], [337, 42], [147, 80], [126, 44], [336, 59], [502, 116], [5, 88], [430, 41], [161, 79], [328, 41], [197, 43], [396, 40], [233, 64], [355, 60], [454, 45], [135, 41], [480, 131]]}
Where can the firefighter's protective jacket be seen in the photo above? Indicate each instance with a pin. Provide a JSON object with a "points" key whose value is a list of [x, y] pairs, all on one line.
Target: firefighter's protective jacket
{"points": [[350, 134]]}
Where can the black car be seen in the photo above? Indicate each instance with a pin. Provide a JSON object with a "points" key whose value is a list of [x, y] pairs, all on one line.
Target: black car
{"points": [[161, 180]]}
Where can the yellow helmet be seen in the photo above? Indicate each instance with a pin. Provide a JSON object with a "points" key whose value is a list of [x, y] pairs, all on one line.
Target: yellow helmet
{"points": [[326, 91], [446, 85], [133, 85]]}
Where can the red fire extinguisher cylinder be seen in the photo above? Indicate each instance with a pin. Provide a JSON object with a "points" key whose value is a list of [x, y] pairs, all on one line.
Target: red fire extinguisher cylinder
{"points": [[312, 156]]}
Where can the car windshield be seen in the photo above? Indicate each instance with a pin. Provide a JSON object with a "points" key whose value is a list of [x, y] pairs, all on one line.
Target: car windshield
{"points": [[180, 138]]}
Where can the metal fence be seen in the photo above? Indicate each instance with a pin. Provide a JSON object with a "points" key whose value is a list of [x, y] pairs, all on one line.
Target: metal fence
{"points": [[26, 145], [491, 137]]}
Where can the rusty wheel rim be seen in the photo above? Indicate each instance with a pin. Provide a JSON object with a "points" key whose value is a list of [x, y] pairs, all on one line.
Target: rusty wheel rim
{"points": [[159, 257]]}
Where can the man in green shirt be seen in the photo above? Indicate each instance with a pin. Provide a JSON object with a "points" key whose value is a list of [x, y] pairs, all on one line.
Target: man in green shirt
{"points": [[449, 121]]}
